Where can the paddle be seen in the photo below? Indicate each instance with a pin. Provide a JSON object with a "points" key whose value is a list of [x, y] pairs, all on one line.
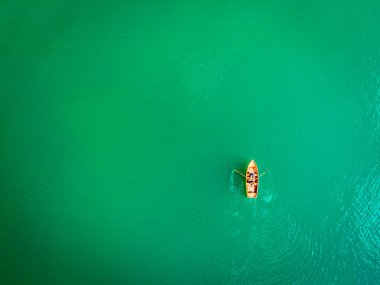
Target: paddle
{"points": [[265, 172], [239, 173]]}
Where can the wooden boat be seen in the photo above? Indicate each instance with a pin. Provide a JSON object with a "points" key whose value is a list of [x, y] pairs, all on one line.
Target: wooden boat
{"points": [[252, 180]]}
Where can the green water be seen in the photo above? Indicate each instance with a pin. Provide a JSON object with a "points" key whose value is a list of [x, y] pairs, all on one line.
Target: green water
{"points": [[121, 124]]}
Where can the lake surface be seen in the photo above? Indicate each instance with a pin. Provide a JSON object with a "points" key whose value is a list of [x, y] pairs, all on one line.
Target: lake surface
{"points": [[121, 124]]}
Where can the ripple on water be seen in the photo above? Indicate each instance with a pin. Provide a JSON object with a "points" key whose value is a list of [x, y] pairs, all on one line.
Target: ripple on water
{"points": [[365, 223], [371, 99], [270, 240], [268, 189], [290, 251], [354, 233]]}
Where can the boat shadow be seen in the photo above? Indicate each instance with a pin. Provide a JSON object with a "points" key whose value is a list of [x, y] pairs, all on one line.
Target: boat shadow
{"points": [[237, 182]]}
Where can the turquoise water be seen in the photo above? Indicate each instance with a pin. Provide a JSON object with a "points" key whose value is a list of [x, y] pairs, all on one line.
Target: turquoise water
{"points": [[121, 124]]}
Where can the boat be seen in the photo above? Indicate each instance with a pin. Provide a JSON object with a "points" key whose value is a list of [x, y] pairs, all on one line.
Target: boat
{"points": [[252, 180]]}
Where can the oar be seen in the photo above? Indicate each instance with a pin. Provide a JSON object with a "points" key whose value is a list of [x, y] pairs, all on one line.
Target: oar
{"points": [[265, 172], [239, 173]]}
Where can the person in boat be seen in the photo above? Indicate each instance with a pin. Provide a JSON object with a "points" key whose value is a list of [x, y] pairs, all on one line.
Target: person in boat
{"points": [[251, 178]]}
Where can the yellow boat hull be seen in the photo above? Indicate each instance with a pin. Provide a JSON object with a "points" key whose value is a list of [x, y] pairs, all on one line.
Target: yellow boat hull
{"points": [[252, 180]]}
